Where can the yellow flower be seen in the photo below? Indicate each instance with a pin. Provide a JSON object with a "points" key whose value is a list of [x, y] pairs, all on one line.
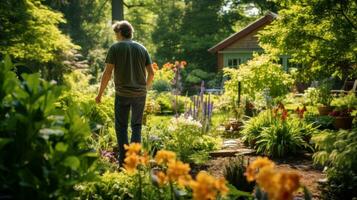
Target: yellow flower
{"points": [[288, 183], [162, 178], [144, 159], [163, 156], [178, 171], [207, 187], [133, 148], [279, 185], [131, 162], [256, 165], [221, 186]]}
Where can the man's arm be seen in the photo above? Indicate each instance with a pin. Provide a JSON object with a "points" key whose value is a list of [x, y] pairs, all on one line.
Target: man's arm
{"points": [[107, 74], [150, 78]]}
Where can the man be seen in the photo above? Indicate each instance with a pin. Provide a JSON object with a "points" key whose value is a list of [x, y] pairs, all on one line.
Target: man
{"points": [[130, 61]]}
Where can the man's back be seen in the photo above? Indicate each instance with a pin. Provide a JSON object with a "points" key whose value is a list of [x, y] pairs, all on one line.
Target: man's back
{"points": [[130, 59]]}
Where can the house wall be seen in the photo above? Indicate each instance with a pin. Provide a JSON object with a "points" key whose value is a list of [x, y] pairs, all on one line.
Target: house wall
{"points": [[248, 42]]}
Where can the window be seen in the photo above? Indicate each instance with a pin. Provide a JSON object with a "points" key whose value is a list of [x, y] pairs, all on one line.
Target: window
{"points": [[234, 62]]}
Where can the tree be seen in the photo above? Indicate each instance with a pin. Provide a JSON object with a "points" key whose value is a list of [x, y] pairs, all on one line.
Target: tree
{"points": [[29, 31], [205, 23], [319, 34]]}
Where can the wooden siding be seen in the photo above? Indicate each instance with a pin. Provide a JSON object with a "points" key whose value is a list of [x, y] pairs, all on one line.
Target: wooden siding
{"points": [[220, 61], [248, 42]]}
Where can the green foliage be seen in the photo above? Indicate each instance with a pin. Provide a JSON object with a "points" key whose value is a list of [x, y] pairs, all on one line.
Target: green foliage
{"points": [[185, 137], [254, 126], [196, 76], [338, 151], [100, 116], [30, 31], [87, 22], [44, 149], [274, 136], [111, 185], [234, 173], [166, 100], [348, 101], [256, 75], [161, 86], [281, 138], [320, 122], [320, 35]]}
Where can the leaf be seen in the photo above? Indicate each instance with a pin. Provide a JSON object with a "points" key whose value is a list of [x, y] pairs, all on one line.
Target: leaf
{"points": [[4, 141], [72, 162], [61, 147]]}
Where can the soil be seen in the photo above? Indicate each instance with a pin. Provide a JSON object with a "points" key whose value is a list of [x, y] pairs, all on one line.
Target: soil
{"points": [[303, 165]]}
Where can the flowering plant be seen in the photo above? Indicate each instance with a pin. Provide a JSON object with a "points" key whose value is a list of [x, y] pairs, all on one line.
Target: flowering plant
{"points": [[171, 175], [273, 183]]}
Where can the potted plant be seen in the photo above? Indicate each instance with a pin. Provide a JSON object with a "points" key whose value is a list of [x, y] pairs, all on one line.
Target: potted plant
{"points": [[343, 112], [324, 98], [342, 118]]}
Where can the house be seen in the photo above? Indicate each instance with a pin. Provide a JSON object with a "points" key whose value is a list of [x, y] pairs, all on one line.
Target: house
{"points": [[239, 47]]}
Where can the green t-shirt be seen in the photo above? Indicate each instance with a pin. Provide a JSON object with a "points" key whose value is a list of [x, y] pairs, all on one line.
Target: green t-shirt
{"points": [[130, 59]]}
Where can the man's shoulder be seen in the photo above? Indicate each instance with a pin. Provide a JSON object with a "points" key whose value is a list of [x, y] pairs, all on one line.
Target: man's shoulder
{"points": [[139, 44]]}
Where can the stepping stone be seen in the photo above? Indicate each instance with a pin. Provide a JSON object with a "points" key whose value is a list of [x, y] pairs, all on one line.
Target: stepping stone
{"points": [[224, 153], [244, 152]]}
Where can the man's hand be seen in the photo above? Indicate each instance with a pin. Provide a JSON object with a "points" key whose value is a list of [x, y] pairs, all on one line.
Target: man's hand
{"points": [[98, 99]]}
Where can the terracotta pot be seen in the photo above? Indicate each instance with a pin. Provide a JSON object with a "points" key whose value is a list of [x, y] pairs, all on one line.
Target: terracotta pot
{"points": [[324, 110], [343, 122]]}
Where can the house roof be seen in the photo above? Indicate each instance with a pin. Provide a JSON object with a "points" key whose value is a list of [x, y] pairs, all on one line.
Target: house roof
{"points": [[270, 16]]}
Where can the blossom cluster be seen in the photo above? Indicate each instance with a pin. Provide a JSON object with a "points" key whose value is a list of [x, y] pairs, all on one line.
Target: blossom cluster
{"points": [[279, 185], [172, 171]]}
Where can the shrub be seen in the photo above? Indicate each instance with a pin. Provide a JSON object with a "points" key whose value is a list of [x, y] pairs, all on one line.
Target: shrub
{"points": [[254, 126], [281, 138], [338, 151], [274, 133], [185, 137], [256, 75], [43, 149], [161, 86]]}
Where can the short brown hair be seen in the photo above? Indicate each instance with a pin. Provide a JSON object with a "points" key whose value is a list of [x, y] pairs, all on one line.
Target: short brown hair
{"points": [[123, 27]]}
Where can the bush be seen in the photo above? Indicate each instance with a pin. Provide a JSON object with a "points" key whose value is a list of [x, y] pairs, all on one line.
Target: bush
{"points": [[256, 75], [338, 151], [110, 185], [185, 137], [43, 149], [276, 134], [161, 86]]}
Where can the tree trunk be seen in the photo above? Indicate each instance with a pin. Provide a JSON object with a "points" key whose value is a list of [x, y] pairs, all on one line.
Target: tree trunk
{"points": [[117, 10]]}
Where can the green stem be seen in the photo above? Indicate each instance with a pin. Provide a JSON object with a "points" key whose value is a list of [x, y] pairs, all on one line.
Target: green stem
{"points": [[172, 191], [140, 185]]}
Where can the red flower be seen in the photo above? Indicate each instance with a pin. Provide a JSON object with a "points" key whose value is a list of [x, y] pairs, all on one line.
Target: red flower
{"points": [[284, 115]]}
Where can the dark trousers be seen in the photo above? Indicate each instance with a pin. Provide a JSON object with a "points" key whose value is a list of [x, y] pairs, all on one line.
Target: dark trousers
{"points": [[122, 107]]}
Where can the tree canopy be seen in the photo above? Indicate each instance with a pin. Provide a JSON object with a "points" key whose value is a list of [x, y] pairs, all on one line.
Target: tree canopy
{"points": [[320, 35]]}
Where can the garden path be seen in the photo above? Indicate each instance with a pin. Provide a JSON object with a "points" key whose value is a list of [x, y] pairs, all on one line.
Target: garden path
{"points": [[310, 175]]}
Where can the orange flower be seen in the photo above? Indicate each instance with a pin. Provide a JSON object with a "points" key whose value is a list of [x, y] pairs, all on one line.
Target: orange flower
{"points": [[133, 148], [183, 63], [279, 185], [155, 66], [162, 178], [178, 171], [131, 162], [168, 65], [144, 159], [163, 156], [207, 187], [256, 165]]}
